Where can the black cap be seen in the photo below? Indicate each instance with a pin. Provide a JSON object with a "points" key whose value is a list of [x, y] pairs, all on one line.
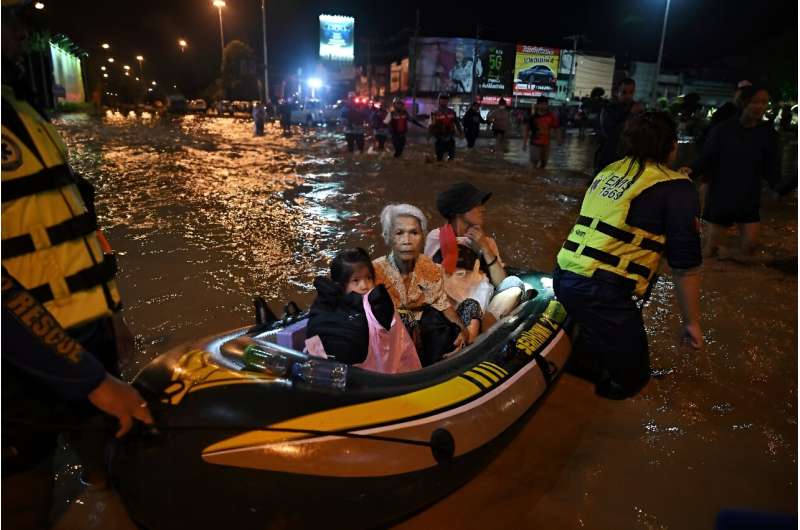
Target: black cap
{"points": [[460, 198]]}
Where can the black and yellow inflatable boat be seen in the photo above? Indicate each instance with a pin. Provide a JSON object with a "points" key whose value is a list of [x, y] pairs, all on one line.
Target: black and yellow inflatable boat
{"points": [[241, 449]]}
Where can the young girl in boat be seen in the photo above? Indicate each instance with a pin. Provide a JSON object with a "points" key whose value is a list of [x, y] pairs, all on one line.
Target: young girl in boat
{"points": [[354, 321]]}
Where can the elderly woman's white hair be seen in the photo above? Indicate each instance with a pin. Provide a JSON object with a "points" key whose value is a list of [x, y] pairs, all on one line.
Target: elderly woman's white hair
{"points": [[393, 211]]}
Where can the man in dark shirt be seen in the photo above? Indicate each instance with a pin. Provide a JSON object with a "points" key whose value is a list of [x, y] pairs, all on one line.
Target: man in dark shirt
{"points": [[472, 120], [727, 111], [736, 156], [612, 120]]}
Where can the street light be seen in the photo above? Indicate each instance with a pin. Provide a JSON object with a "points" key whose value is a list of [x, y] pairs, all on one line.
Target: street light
{"points": [[38, 5], [182, 44], [153, 83], [314, 83], [105, 45], [654, 94], [111, 59], [103, 68], [219, 4], [139, 58], [126, 67]]}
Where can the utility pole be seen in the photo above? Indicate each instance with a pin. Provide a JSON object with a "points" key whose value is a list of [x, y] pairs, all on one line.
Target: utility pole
{"points": [[475, 61], [575, 40], [264, 34], [413, 68], [654, 94]]}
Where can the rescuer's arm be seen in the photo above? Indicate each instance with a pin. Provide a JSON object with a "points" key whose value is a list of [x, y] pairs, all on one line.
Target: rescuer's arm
{"points": [[687, 290], [682, 250], [34, 342]]}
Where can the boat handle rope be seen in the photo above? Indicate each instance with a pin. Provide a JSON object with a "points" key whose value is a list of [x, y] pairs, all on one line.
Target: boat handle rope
{"points": [[442, 444]]}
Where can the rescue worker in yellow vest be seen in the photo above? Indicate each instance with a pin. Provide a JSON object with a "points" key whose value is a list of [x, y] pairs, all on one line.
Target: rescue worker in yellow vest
{"points": [[60, 304], [635, 211]]}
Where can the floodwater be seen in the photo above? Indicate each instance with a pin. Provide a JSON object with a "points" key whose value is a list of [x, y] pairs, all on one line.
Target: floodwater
{"points": [[204, 216]]}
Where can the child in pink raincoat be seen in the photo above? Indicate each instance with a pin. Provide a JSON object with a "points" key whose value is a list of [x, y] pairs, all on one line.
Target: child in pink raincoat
{"points": [[355, 322]]}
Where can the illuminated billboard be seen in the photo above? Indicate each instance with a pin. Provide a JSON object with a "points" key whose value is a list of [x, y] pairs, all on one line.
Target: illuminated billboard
{"points": [[497, 66], [336, 38], [535, 70], [67, 73]]}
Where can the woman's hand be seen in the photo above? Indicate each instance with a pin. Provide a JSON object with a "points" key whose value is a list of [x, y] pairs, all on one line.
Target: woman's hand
{"points": [[478, 237]]}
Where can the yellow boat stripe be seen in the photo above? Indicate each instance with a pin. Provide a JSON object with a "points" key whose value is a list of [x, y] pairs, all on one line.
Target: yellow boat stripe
{"points": [[492, 369], [502, 370], [482, 380], [360, 415], [488, 373]]}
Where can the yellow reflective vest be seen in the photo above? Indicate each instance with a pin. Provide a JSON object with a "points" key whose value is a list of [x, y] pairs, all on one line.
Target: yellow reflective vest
{"points": [[49, 242], [602, 240]]}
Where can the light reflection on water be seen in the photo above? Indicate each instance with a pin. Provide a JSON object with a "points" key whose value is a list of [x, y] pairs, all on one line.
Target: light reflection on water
{"points": [[205, 216]]}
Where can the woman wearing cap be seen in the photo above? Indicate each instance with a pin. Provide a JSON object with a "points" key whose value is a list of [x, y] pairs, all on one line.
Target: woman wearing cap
{"points": [[470, 259], [416, 285]]}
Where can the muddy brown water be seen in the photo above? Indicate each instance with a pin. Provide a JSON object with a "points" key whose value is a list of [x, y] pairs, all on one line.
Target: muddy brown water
{"points": [[204, 216]]}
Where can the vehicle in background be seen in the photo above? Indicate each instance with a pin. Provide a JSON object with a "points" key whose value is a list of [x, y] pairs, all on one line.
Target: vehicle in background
{"points": [[176, 104], [224, 107], [331, 114], [538, 74], [792, 121], [309, 113], [242, 107], [197, 105]]}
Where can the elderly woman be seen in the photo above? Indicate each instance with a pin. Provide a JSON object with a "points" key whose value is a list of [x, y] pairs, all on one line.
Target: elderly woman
{"points": [[416, 284], [474, 271]]}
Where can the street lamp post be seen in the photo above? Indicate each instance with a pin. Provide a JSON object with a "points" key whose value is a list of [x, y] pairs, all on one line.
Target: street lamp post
{"points": [[264, 34], [654, 94], [139, 59], [219, 4], [182, 44]]}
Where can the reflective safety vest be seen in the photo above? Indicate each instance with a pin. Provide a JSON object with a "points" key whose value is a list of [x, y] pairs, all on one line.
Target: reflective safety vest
{"points": [[49, 242], [399, 122], [443, 121], [602, 240]]}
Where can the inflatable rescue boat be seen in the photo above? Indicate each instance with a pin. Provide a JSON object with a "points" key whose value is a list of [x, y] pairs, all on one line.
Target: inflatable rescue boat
{"points": [[241, 446]]}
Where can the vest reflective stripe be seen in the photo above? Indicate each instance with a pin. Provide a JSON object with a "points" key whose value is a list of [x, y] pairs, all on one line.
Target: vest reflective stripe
{"points": [[601, 239], [48, 237], [72, 228], [50, 178], [81, 280], [622, 235]]}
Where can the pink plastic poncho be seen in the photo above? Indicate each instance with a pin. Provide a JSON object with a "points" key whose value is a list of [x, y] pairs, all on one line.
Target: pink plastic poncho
{"points": [[390, 351]]}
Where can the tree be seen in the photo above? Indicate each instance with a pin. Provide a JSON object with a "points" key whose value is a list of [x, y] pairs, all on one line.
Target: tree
{"points": [[239, 71]]}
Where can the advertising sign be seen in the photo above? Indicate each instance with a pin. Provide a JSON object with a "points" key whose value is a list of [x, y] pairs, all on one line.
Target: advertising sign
{"points": [[66, 75], [336, 38], [535, 70], [445, 65], [497, 67]]}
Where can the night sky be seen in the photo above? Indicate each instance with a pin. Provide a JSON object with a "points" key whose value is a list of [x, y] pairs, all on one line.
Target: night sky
{"points": [[700, 32]]}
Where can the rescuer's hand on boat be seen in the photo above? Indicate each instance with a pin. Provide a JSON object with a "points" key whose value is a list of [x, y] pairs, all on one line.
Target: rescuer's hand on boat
{"points": [[122, 401]]}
